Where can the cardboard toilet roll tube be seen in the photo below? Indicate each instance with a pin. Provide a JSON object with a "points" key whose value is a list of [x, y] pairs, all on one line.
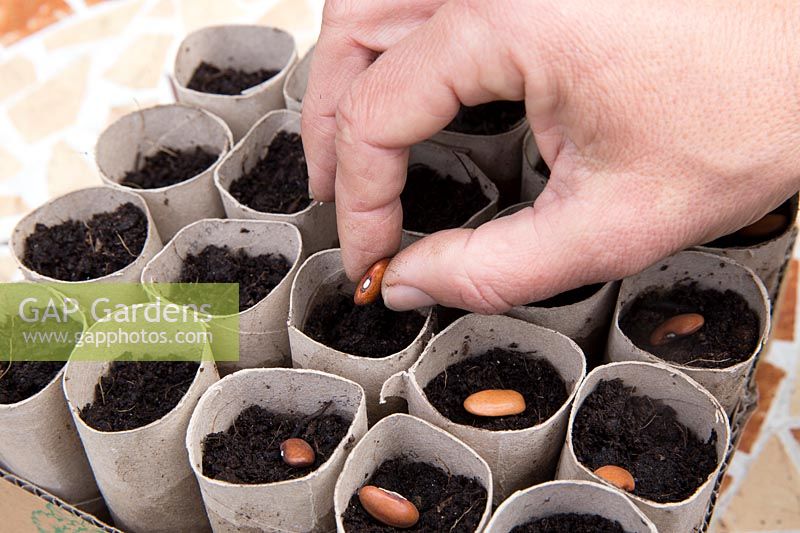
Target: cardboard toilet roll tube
{"points": [[125, 144], [518, 458], [297, 81], [462, 169], [317, 222], [402, 435], [39, 442], [586, 321], [143, 473], [82, 205], [695, 408], [567, 497], [499, 156], [767, 258], [242, 47], [263, 339], [710, 272], [321, 275], [533, 182], [302, 504]]}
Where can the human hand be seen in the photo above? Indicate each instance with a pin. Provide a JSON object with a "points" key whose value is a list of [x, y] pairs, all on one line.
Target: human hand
{"points": [[665, 125]]}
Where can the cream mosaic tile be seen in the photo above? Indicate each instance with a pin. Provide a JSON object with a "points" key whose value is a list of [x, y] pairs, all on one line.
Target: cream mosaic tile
{"points": [[794, 401], [9, 165], [16, 73], [141, 66], [11, 205], [8, 267], [199, 13], [164, 8], [291, 15], [69, 169], [769, 497], [54, 104], [98, 24], [117, 112]]}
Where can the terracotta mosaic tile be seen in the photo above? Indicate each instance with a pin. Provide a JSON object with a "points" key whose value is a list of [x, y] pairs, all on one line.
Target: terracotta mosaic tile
{"points": [[9, 165], [98, 25], [17, 73], [141, 66], [796, 434], [769, 496], [53, 105], [786, 310], [69, 169], [768, 379], [726, 484], [291, 15], [12, 205], [20, 18]]}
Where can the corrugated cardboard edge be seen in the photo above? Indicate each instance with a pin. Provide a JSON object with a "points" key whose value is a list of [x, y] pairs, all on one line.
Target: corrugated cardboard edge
{"points": [[317, 222], [674, 517], [247, 47], [556, 497], [321, 273], [462, 169], [726, 384], [61, 504], [242, 507], [145, 132], [401, 434], [518, 458], [263, 338], [297, 81]]}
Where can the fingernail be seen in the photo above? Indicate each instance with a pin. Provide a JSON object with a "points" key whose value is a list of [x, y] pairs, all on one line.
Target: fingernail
{"points": [[405, 298]]}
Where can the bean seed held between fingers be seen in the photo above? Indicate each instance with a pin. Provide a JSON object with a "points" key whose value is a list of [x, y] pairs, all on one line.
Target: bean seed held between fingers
{"points": [[617, 476], [675, 327], [297, 453], [388, 507], [369, 288], [495, 402], [766, 226]]}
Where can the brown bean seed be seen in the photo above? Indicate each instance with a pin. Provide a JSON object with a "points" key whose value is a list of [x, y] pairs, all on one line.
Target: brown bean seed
{"points": [[617, 476], [388, 507], [768, 225], [369, 288], [677, 326], [297, 453], [495, 402]]}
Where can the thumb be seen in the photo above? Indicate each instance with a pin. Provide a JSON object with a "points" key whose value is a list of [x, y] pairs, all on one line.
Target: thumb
{"points": [[560, 243]]}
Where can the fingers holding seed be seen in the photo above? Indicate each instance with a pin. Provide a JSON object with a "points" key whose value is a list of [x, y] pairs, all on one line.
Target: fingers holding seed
{"points": [[369, 287], [676, 327], [388, 507]]}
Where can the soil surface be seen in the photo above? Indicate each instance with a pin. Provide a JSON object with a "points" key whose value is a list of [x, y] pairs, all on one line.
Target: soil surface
{"points": [[542, 168], [734, 240], [729, 335], [570, 523], [447, 503], [22, 379], [208, 78], [488, 119], [83, 250], [278, 183], [371, 330], [433, 202], [536, 379], [249, 451], [569, 297], [132, 394], [668, 461], [168, 167], [256, 275]]}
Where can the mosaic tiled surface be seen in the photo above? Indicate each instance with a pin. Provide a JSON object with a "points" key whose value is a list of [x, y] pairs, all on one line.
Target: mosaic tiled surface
{"points": [[70, 67]]}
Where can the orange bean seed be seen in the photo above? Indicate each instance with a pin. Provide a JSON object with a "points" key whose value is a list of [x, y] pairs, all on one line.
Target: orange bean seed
{"points": [[297, 453], [369, 288], [677, 326], [617, 476], [495, 402], [388, 507]]}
